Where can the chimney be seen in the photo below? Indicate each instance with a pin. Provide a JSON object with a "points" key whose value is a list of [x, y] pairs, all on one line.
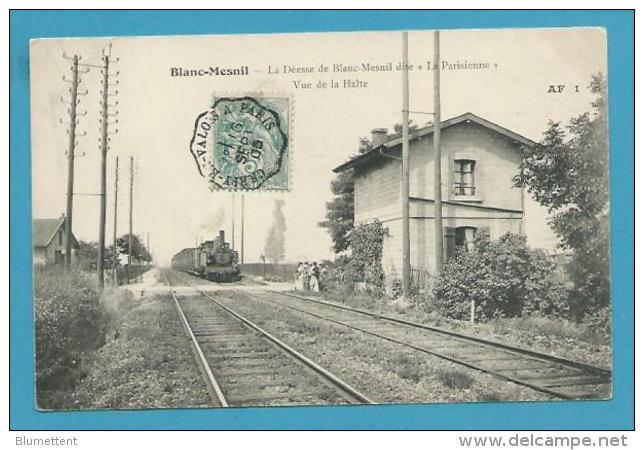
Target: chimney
{"points": [[221, 239], [378, 136]]}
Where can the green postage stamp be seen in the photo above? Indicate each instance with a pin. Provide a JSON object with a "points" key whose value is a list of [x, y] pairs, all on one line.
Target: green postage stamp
{"points": [[242, 143]]}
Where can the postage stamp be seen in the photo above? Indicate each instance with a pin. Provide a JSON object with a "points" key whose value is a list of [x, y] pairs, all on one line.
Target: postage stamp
{"points": [[242, 143]]}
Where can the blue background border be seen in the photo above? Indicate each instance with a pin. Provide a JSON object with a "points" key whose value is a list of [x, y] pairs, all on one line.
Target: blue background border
{"points": [[617, 413]]}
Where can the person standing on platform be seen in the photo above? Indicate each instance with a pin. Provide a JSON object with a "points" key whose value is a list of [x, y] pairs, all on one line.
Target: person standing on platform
{"points": [[305, 276], [299, 277], [314, 279]]}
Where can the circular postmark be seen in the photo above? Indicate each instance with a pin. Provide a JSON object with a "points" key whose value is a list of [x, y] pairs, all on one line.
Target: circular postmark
{"points": [[250, 139]]}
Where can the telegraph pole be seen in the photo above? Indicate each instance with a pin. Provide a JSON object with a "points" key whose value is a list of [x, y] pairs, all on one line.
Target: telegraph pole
{"points": [[438, 194], [406, 265], [105, 93], [129, 240], [73, 103], [101, 229], [70, 163], [242, 228], [232, 244], [147, 246], [116, 195]]}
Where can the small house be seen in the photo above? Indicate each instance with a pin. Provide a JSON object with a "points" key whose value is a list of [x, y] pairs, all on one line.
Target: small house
{"points": [[49, 241]]}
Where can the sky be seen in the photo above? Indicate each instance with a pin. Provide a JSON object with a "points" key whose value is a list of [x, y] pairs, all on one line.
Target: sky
{"points": [[156, 113]]}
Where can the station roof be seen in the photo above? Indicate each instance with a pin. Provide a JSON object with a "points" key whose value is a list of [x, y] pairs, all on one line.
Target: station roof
{"points": [[394, 141]]}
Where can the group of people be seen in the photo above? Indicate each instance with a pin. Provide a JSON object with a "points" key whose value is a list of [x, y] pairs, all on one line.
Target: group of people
{"points": [[307, 277]]}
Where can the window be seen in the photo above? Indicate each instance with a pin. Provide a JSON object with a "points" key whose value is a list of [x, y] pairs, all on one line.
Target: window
{"points": [[60, 237], [464, 177], [464, 238]]}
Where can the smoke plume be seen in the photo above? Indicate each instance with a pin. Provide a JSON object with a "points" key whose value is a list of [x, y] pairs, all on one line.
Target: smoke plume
{"points": [[274, 248]]}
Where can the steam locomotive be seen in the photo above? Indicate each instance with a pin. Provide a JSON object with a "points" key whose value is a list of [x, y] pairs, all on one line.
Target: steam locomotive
{"points": [[213, 260]]}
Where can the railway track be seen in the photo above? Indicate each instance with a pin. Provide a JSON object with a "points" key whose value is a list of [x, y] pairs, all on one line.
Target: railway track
{"points": [[551, 375], [244, 365]]}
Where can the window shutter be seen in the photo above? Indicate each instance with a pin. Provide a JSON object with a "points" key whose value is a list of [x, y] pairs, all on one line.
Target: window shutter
{"points": [[473, 178], [449, 242]]}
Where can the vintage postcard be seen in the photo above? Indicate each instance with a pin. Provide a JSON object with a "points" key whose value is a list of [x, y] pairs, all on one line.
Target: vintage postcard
{"points": [[321, 219]]}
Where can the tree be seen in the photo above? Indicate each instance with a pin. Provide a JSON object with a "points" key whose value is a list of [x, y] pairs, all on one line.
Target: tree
{"points": [[139, 251], [567, 172], [87, 254], [274, 248], [339, 211], [413, 126]]}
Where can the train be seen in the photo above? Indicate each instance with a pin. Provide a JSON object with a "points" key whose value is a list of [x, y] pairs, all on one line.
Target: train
{"points": [[213, 260]]}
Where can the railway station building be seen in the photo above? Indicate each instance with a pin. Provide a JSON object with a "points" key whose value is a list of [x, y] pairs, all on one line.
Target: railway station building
{"points": [[49, 241], [478, 161]]}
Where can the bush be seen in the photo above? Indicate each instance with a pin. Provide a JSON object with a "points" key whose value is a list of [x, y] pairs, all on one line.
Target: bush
{"points": [[68, 325], [366, 243], [338, 274], [598, 321], [505, 278], [408, 368], [455, 379]]}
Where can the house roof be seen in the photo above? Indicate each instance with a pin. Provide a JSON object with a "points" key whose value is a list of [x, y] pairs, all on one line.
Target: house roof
{"points": [[393, 142], [44, 230]]}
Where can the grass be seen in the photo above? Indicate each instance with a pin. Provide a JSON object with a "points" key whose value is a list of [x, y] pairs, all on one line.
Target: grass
{"points": [[490, 397], [455, 379], [551, 335], [550, 326], [408, 368], [69, 325], [149, 365]]}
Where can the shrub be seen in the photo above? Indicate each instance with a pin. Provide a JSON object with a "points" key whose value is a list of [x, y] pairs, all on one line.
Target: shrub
{"points": [[454, 379], [366, 243], [68, 324], [338, 274], [396, 289], [408, 368], [598, 321], [505, 278]]}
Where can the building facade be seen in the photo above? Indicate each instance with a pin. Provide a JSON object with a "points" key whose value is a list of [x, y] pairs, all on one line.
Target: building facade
{"points": [[49, 241], [478, 161]]}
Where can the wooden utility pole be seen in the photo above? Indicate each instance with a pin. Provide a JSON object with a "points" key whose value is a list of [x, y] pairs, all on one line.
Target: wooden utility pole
{"points": [[406, 265], [105, 94], [103, 195], [438, 192], [242, 228], [73, 101], [116, 196], [129, 241], [232, 243]]}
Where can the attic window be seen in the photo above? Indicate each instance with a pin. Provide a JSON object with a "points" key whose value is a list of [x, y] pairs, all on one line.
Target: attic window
{"points": [[464, 177], [60, 237]]}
